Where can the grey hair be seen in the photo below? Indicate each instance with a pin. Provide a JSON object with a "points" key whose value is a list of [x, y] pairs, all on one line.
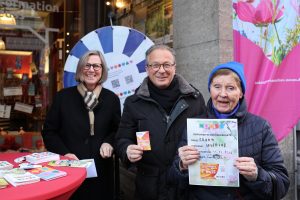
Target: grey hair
{"points": [[159, 46], [84, 59]]}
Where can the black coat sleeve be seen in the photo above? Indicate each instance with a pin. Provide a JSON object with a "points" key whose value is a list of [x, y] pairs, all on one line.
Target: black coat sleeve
{"points": [[271, 160], [51, 129], [126, 132]]}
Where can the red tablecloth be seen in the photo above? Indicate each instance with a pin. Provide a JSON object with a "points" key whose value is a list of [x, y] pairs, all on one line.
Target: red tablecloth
{"points": [[61, 188]]}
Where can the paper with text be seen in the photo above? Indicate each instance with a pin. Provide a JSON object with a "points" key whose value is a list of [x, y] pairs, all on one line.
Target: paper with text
{"points": [[217, 142]]}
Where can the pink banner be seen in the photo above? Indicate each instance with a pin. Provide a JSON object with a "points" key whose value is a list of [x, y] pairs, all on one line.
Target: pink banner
{"points": [[267, 42]]}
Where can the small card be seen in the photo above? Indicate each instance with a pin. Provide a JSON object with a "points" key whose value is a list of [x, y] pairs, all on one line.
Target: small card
{"points": [[143, 140]]}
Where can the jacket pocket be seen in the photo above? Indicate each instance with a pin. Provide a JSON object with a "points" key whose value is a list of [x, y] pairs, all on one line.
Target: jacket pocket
{"points": [[147, 182]]}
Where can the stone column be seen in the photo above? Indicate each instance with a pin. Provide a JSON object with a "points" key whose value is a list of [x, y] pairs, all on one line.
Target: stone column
{"points": [[200, 40]]}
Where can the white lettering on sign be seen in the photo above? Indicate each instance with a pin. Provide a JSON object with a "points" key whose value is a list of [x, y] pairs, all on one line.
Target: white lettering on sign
{"points": [[38, 6]]}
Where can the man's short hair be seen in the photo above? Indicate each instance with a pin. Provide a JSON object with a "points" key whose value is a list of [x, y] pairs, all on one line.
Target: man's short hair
{"points": [[159, 46]]}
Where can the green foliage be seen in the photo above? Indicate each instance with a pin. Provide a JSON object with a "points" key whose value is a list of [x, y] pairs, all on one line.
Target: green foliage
{"points": [[293, 36], [292, 39], [278, 55]]}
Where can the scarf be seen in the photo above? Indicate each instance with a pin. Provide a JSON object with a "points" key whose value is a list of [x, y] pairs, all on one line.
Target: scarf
{"points": [[165, 97], [225, 115], [91, 101]]}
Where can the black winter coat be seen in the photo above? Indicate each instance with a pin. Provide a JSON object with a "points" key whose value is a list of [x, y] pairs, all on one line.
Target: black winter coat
{"points": [[67, 130], [142, 113], [256, 140]]}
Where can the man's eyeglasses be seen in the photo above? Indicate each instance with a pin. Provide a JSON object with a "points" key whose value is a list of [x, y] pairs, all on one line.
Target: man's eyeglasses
{"points": [[156, 66], [95, 66]]}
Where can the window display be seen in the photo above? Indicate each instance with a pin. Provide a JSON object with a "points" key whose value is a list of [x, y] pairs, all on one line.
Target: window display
{"points": [[21, 91]]}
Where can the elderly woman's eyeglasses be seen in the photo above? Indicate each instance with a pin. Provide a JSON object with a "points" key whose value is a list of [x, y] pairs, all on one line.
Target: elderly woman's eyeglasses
{"points": [[156, 66], [96, 66]]}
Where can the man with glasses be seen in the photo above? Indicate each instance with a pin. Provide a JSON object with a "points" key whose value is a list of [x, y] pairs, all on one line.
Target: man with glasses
{"points": [[159, 107]]}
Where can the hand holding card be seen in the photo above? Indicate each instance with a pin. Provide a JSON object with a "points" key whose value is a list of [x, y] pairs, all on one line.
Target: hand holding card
{"points": [[143, 140]]}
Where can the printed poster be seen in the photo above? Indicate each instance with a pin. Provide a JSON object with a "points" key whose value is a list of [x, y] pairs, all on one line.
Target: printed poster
{"points": [[217, 142]]}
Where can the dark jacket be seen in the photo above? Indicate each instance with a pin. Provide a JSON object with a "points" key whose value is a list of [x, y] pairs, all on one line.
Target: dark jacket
{"points": [[67, 130], [142, 113], [256, 140]]}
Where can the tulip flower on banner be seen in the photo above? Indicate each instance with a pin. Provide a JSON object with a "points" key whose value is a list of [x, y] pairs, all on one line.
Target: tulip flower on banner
{"points": [[266, 13]]}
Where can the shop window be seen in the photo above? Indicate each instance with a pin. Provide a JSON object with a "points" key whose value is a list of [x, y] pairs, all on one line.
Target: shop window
{"points": [[153, 18], [22, 93], [32, 58]]}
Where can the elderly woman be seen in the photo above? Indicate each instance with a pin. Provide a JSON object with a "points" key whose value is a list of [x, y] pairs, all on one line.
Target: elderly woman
{"points": [[82, 122], [259, 153]]}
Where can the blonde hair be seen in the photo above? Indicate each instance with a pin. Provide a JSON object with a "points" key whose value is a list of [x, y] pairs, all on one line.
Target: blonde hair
{"points": [[84, 59]]}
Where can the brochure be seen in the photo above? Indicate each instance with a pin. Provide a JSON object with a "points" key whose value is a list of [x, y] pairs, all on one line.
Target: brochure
{"points": [[18, 177], [89, 164], [36, 158], [47, 173]]}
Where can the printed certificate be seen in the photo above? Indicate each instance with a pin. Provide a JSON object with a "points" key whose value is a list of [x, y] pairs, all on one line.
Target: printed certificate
{"points": [[217, 142]]}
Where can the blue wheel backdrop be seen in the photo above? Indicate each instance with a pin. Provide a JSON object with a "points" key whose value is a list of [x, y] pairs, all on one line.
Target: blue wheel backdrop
{"points": [[124, 51]]}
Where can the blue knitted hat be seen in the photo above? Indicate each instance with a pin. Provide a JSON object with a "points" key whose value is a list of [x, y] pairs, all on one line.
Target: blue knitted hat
{"points": [[236, 67]]}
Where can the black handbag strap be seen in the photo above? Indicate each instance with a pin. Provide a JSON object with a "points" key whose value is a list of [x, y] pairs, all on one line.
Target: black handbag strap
{"points": [[274, 182]]}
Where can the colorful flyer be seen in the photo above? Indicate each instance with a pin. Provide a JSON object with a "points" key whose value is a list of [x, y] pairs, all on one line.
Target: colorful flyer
{"points": [[217, 142], [143, 140], [47, 173]]}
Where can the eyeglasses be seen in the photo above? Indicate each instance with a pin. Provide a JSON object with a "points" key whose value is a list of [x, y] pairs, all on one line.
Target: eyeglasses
{"points": [[95, 66], [156, 66]]}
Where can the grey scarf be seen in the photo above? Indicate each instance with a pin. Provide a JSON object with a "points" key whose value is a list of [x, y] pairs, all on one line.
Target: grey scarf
{"points": [[91, 101]]}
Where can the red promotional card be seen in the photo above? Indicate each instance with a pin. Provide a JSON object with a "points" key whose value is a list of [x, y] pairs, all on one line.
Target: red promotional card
{"points": [[143, 140]]}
